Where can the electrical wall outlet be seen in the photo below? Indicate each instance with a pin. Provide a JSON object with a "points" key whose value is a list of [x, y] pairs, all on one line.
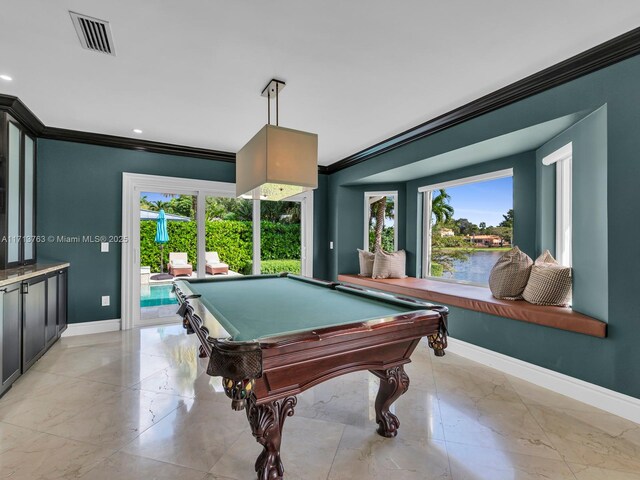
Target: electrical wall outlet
{"points": [[104, 247], [106, 301]]}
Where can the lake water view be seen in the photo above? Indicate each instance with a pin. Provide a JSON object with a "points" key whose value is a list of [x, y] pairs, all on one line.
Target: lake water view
{"points": [[476, 268]]}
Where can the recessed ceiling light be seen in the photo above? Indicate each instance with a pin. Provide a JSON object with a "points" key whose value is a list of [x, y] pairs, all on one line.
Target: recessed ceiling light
{"points": [[137, 130], [6, 77]]}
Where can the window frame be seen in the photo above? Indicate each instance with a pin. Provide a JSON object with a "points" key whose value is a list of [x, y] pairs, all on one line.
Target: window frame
{"points": [[563, 160], [426, 191], [387, 193]]}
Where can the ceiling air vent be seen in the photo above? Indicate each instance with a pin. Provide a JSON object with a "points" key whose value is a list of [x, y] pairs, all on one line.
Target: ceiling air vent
{"points": [[94, 34]]}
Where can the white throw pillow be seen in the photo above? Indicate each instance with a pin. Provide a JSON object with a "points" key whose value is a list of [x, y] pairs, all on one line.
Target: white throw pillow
{"points": [[390, 265], [366, 263]]}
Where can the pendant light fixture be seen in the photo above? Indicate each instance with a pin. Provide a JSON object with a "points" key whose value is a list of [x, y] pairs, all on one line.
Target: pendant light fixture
{"points": [[277, 162]]}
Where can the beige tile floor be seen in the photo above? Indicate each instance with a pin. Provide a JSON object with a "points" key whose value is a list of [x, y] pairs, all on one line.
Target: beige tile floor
{"points": [[138, 405]]}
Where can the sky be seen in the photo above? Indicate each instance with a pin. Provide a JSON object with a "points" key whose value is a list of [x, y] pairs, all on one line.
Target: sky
{"points": [[482, 201], [154, 197], [477, 202]]}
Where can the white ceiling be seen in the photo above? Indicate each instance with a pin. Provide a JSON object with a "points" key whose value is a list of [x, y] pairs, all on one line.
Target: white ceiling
{"points": [[190, 72]]}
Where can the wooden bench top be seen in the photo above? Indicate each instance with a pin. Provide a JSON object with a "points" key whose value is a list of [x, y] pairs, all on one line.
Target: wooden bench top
{"points": [[480, 299]]}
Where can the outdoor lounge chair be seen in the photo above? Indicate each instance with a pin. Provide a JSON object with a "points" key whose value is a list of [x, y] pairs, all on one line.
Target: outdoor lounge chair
{"points": [[179, 264], [214, 265]]}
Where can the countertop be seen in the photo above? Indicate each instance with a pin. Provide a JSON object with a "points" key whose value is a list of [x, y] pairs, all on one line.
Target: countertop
{"points": [[19, 274]]}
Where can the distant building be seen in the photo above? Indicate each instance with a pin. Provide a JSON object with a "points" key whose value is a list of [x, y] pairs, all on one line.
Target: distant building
{"points": [[487, 240], [446, 232]]}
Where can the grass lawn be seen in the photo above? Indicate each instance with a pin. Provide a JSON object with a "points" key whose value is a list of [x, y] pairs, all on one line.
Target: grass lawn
{"points": [[467, 249]]}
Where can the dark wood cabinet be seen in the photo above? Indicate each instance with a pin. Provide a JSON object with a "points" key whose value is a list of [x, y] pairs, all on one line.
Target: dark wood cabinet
{"points": [[62, 301], [10, 334], [34, 318], [51, 320], [17, 193], [33, 315]]}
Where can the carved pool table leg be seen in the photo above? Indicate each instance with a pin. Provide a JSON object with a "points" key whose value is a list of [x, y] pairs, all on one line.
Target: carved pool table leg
{"points": [[393, 383], [266, 422]]}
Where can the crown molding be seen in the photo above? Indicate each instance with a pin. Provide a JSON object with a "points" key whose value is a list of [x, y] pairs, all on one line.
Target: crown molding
{"points": [[615, 50], [17, 109], [20, 112], [63, 134]]}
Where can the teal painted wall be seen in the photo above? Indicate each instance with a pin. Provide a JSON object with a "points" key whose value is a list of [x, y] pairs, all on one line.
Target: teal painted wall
{"points": [[589, 225], [350, 224], [79, 192], [610, 362], [320, 242]]}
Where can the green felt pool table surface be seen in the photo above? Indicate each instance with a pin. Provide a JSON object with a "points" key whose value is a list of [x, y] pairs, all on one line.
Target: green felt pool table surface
{"points": [[258, 307]]}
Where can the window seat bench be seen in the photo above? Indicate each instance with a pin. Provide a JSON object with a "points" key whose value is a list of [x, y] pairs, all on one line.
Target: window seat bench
{"points": [[480, 299]]}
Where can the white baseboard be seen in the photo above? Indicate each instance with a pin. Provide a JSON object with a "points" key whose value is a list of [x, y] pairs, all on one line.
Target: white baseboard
{"points": [[608, 400], [152, 322], [87, 328]]}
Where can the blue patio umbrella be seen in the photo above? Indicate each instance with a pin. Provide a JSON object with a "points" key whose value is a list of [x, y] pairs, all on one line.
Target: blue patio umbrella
{"points": [[162, 236]]}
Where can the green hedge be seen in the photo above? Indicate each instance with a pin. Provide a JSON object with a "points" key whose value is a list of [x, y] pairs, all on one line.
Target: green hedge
{"points": [[279, 266], [436, 269], [232, 239], [387, 239]]}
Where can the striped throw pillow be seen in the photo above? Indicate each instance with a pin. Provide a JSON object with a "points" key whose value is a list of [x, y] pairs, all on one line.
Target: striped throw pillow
{"points": [[390, 265], [510, 274], [549, 283], [366, 262]]}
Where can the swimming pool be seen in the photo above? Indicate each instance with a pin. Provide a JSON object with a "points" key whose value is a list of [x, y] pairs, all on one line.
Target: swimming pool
{"points": [[156, 295]]}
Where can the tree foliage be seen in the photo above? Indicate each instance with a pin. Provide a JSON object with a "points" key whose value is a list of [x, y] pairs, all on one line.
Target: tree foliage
{"points": [[441, 210], [508, 219], [232, 239], [379, 233]]}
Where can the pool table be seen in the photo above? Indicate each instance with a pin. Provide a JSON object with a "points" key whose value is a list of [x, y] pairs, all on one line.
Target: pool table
{"points": [[271, 337]]}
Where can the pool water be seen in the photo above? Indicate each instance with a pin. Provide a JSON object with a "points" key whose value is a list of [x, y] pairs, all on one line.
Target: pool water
{"points": [[155, 295]]}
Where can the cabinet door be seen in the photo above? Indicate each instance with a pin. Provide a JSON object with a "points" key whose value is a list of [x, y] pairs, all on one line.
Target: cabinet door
{"points": [[62, 301], [34, 313], [13, 195], [51, 328], [29, 200], [10, 334]]}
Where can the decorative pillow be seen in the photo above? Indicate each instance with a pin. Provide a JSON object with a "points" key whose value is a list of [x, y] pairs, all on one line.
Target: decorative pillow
{"points": [[389, 265], [509, 276], [366, 262], [549, 283]]}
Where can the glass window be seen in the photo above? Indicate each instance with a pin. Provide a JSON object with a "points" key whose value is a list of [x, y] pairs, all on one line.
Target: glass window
{"points": [[468, 224], [380, 221], [280, 237]]}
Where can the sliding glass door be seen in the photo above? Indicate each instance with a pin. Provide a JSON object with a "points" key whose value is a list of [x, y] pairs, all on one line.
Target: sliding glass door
{"points": [[207, 232], [168, 250]]}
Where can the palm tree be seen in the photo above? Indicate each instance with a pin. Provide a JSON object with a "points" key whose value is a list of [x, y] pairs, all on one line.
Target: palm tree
{"points": [[159, 205], [379, 210], [440, 208]]}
